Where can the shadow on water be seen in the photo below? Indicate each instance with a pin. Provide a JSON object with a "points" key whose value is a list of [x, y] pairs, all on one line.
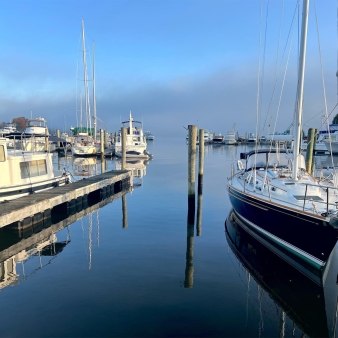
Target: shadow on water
{"points": [[41, 240], [311, 303]]}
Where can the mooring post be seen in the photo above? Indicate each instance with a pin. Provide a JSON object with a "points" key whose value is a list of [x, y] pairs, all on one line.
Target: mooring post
{"points": [[58, 135], [124, 147], [46, 140], [200, 182], [189, 267], [124, 212], [309, 150], [191, 165], [102, 142]]}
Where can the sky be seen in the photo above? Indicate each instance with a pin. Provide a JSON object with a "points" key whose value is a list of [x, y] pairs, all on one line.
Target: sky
{"points": [[217, 64]]}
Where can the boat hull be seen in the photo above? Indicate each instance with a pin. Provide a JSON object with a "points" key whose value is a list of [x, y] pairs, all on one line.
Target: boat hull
{"points": [[14, 192], [83, 151], [300, 234]]}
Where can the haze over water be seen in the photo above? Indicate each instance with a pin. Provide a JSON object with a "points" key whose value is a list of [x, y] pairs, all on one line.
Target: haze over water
{"points": [[110, 280]]}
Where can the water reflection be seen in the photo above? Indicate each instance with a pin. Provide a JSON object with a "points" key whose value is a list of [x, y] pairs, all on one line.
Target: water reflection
{"points": [[138, 168], [84, 166], [41, 240], [308, 301]]}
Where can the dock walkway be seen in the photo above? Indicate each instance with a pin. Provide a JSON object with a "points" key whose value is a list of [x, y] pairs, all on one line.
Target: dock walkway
{"points": [[40, 204]]}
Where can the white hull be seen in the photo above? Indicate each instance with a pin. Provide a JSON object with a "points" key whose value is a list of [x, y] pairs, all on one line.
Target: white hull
{"points": [[334, 147], [83, 150], [319, 147], [17, 191], [230, 142]]}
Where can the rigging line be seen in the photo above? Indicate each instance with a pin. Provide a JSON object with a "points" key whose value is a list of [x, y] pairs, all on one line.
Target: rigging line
{"points": [[258, 88], [263, 64], [276, 64], [280, 66], [279, 102], [323, 81]]}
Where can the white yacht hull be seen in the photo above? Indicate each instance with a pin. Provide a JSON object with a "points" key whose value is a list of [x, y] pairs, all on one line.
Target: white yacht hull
{"points": [[17, 191]]}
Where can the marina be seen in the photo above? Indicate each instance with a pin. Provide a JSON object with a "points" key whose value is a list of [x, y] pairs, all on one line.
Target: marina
{"points": [[171, 177], [176, 268]]}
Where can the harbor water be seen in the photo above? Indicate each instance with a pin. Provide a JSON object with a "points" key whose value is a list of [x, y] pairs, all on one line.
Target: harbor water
{"points": [[134, 268]]}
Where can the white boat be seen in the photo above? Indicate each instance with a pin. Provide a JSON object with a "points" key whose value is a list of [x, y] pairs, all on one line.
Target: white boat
{"points": [[208, 136], [27, 172], [251, 138], [231, 136], [136, 144], [274, 194], [218, 139], [8, 129], [149, 136], [84, 143], [331, 142]]}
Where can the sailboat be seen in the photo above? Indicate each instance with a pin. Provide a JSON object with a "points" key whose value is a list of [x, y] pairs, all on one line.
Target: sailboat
{"points": [[83, 144], [274, 194]]}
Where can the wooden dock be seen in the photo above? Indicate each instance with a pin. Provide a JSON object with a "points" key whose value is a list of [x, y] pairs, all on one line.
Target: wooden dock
{"points": [[33, 208], [43, 230]]}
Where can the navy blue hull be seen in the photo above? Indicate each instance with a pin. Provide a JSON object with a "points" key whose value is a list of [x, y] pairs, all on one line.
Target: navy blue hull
{"points": [[295, 231]]}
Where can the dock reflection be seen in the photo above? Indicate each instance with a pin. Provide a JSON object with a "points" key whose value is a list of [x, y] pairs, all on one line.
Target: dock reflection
{"points": [[309, 300], [40, 240]]}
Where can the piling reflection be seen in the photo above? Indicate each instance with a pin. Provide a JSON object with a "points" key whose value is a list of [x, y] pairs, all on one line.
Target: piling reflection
{"points": [[41, 240], [307, 299]]}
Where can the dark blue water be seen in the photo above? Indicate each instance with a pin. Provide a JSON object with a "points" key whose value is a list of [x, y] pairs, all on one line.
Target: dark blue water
{"points": [[118, 276]]}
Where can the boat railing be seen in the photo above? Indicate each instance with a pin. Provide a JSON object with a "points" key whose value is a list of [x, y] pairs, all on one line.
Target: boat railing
{"points": [[323, 204]]}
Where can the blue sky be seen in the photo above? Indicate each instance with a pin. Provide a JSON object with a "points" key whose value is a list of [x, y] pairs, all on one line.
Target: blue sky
{"points": [[171, 62]]}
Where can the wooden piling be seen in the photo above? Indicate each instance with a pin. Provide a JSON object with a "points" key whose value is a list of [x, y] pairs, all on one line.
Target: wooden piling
{"points": [[105, 139], [102, 142], [124, 147], [46, 140], [191, 165], [200, 183], [189, 262], [311, 139], [58, 135]]}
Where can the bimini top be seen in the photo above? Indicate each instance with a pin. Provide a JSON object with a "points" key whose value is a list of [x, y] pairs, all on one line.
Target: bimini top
{"points": [[244, 156], [269, 158]]}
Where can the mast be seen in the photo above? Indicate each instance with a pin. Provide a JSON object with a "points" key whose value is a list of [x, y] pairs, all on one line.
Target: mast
{"points": [[301, 71], [94, 92], [87, 106]]}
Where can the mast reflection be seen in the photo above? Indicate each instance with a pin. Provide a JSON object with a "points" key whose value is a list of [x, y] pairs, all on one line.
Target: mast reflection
{"points": [[16, 247], [309, 300]]}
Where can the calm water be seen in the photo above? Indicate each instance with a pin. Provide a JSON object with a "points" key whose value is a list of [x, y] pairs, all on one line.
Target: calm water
{"points": [[127, 276]]}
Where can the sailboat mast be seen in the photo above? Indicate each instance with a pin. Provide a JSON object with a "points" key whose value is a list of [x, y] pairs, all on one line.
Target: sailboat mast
{"points": [[84, 54], [94, 91], [301, 71]]}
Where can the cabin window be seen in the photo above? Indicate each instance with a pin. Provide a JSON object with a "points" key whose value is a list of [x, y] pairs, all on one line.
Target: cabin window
{"points": [[33, 168], [2, 154]]}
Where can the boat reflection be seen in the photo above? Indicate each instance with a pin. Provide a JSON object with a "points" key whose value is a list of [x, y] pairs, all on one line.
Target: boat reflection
{"points": [[138, 168], [84, 166], [19, 248], [309, 301]]}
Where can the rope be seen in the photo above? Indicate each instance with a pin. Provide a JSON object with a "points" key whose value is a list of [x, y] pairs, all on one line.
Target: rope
{"points": [[323, 82]]}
